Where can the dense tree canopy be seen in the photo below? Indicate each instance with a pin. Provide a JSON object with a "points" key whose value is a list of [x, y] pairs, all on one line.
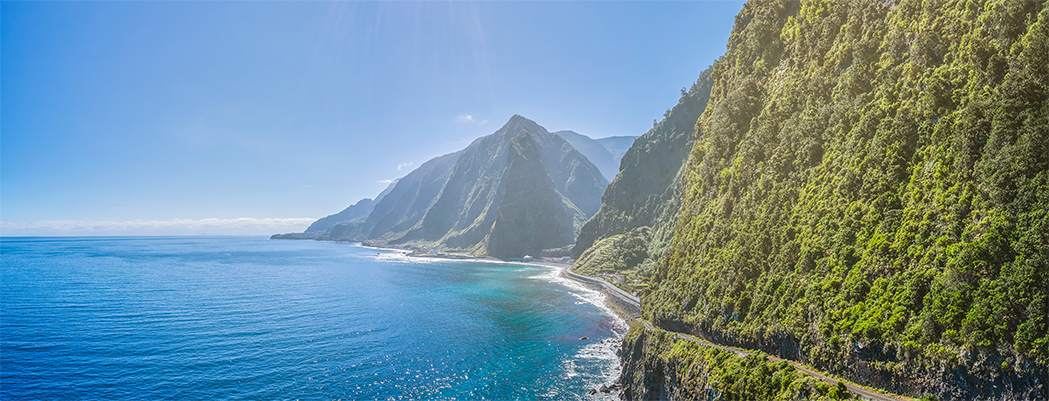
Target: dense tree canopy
{"points": [[872, 183]]}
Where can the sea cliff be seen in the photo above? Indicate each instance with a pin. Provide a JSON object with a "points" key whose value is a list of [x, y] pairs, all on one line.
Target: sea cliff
{"points": [[868, 193]]}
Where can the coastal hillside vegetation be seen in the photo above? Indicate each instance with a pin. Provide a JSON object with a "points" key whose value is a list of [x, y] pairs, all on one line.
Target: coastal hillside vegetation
{"points": [[660, 366], [640, 206], [403, 205], [869, 194], [355, 212]]}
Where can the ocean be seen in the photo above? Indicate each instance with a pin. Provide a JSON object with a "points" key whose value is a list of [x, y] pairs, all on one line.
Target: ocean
{"points": [[251, 318]]}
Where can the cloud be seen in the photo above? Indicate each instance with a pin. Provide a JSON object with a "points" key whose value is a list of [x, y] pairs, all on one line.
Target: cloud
{"points": [[469, 119], [212, 226], [386, 181], [403, 166]]}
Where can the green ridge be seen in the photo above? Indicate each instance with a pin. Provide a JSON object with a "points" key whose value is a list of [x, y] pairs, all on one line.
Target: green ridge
{"points": [[640, 207], [870, 196], [661, 366]]}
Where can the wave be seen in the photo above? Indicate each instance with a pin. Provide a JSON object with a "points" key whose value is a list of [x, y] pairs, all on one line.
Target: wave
{"points": [[603, 354]]}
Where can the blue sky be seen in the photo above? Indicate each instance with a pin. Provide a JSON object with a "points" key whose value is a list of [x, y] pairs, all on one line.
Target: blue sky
{"points": [[256, 117]]}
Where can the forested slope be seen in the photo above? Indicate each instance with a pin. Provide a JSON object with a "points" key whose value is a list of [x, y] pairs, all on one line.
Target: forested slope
{"points": [[870, 195], [640, 206], [509, 194]]}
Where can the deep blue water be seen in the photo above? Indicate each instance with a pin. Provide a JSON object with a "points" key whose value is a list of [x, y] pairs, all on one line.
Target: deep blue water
{"points": [[251, 318]]}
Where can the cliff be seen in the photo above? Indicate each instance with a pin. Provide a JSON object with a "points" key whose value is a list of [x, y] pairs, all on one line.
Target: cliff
{"points": [[511, 167], [660, 366], [640, 206], [359, 210], [516, 192], [870, 196]]}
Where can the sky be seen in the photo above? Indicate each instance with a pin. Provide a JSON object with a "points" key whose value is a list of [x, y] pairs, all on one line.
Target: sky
{"points": [[185, 118]]}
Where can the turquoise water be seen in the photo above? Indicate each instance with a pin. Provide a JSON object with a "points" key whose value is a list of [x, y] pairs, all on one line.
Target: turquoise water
{"points": [[251, 318]]}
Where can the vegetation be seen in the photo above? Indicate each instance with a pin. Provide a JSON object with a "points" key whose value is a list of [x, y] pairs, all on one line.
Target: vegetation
{"points": [[691, 371], [502, 193], [640, 206], [617, 146], [870, 194], [623, 254], [357, 211], [617, 253], [516, 192], [596, 150], [407, 201]]}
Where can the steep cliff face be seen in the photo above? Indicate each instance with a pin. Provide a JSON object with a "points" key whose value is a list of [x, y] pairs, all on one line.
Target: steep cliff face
{"points": [[465, 212], [870, 195], [359, 210], [646, 193], [660, 366], [532, 214], [346, 225], [515, 192], [409, 200], [399, 207]]}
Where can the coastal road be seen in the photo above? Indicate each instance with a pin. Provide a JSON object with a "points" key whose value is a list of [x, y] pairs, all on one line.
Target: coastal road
{"points": [[860, 391], [611, 289]]}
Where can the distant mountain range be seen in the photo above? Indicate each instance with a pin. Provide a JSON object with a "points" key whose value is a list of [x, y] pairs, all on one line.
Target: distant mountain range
{"points": [[515, 192], [862, 188], [605, 153]]}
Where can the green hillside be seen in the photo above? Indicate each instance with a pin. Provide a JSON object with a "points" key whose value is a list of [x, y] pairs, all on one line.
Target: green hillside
{"points": [[532, 214], [870, 195], [512, 193], [409, 199], [660, 366], [512, 165], [640, 207], [399, 207]]}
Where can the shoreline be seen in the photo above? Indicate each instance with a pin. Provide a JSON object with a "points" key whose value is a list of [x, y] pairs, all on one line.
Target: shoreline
{"points": [[619, 302], [627, 306]]}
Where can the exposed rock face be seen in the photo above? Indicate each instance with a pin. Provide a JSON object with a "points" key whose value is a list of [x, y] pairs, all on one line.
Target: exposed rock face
{"points": [[545, 178], [515, 192]]}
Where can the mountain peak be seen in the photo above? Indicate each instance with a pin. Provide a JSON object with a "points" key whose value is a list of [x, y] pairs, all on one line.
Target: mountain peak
{"points": [[518, 123], [518, 118]]}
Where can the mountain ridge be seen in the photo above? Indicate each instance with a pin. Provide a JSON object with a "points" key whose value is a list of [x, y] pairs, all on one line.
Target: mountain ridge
{"points": [[605, 153], [870, 196], [459, 202], [466, 210], [640, 206]]}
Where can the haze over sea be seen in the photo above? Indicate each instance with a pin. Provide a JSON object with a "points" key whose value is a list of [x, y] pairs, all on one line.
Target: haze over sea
{"points": [[249, 318]]}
